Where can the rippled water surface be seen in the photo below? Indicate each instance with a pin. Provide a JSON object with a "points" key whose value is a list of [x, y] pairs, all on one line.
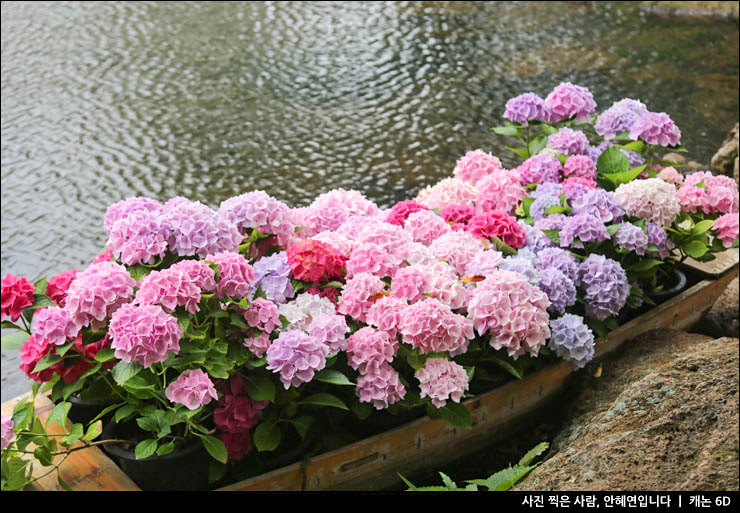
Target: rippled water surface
{"points": [[105, 100]]}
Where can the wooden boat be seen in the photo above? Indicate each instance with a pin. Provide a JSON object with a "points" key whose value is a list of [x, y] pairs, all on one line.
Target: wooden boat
{"points": [[373, 463]]}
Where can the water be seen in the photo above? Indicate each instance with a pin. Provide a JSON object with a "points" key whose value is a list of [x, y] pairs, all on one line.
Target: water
{"points": [[105, 100]]}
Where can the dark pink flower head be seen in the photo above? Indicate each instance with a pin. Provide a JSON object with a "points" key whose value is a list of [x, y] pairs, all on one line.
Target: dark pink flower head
{"points": [[57, 286], [235, 275], [105, 256], [402, 210], [238, 413], [567, 100], [315, 261], [16, 294], [237, 445], [33, 350], [331, 293], [498, 224], [457, 213], [263, 315]]}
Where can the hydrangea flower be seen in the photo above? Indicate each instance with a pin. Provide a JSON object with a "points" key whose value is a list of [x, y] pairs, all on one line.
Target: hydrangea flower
{"points": [[97, 292], [651, 199], [580, 165], [258, 210], [484, 263], [237, 412], [105, 256], [568, 142], [16, 294], [575, 186], [457, 249], [572, 340], [169, 289], [656, 128], [725, 228], [54, 324], [546, 189], [497, 224], [620, 117], [535, 239], [658, 237], [560, 290], [541, 204], [413, 253], [139, 237], [540, 168], [600, 203], [198, 272], [442, 282], [708, 193], [263, 315], [560, 259], [425, 226], [401, 210], [581, 228], [57, 286], [442, 380], [304, 308], [430, 326], [632, 238], [257, 345], [390, 237], [368, 347], [460, 213], [331, 330], [135, 204], [144, 334], [273, 274], [358, 294], [670, 175], [237, 445], [380, 386], [330, 209], [551, 222], [8, 435], [448, 191], [235, 276], [475, 165], [296, 356], [567, 100], [33, 350], [409, 283], [523, 266], [512, 311], [193, 388], [501, 190], [370, 258], [385, 314], [605, 285], [524, 107]]}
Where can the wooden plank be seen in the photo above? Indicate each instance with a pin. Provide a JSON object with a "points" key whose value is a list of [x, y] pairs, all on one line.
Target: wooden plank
{"points": [[88, 469], [717, 267]]}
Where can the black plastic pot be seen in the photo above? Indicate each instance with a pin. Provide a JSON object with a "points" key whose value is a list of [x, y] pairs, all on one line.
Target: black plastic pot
{"points": [[83, 412], [289, 454], [184, 469], [671, 286]]}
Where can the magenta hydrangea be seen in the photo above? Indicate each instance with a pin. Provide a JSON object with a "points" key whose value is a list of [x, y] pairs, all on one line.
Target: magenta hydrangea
{"points": [[442, 380], [401, 210], [459, 213], [568, 142], [540, 168], [512, 311], [235, 275], [457, 249], [572, 340], [97, 292], [580, 165], [370, 258], [368, 348], [525, 107], [55, 324], [258, 210], [331, 330], [144, 334], [296, 356], [620, 117], [385, 314], [631, 238], [380, 386], [605, 286], [193, 388], [582, 228], [497, 224], [725, 228], [238, 413], [651, 199], [567, 101], [475, 165], [430, 326], [358, 294], [656, 128], [501, 190]]}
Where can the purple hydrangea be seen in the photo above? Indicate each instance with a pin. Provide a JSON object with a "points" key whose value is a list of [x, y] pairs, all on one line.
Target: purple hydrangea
{"points": [[620, 117], [560, 290], [632, 238], [656, 128], [568, 141], [634, 158], [582, 228], [194, 229], [658, 237], [522, 265], [273, 275], [524, 107], [541, 204], [536, 240], [296, 356], [546, 189], [122, 209], [572, 340], [605, 285], [259, 210], [8, 435], [540, 168], [560, 259], [551, 222], [567, 100], [600, 203]]}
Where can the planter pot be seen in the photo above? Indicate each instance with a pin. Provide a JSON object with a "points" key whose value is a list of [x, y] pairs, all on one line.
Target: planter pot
{"points": [[291, 453], [184, 469], [83, 411], [672, 286]]}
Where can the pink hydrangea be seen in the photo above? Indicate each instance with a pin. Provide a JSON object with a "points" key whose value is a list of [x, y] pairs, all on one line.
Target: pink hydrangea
{"points": [[656, 128], [296, 356], [413, 253], [574, 186], [371, 258], [501, 190], [430, 326], [483, 263], [140, 237], [385, 314], [8, 435], [703, 191], [475, 165], [105, 256], [199, 272], [331, 330], [388, 236], [368, 347], [497, 224], [312, 260], [258, 210], [401, 210], [358, 295], [193, 388], [263, 315], [235, 275], [567, 100], [442, 282], [329, 210], [580, 165], [460, 213], [670, 175], [302, 219], [568, 142], [442, 380], [726, 229], [144, 334], [425, 226], [448, 191], [340, 243], [16, 294], [380, 386], [512, 311], [57, 286], [651, 199], [54, 324], [258, 345], [134, 204], [457, 249], [97, 292], [408, 283], [304, 308], [196, 229], [169, 289]]}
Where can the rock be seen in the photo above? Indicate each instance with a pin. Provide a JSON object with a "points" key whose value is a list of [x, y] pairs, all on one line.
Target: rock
{"points": [[736, 172], [675, 158], [662, 416], [724, 161], [693, 165], [722, 319]]}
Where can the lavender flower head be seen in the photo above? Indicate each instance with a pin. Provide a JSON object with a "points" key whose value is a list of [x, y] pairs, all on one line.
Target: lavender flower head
{"points": [[546, 189], [541, 204], [194, 229], [259, 210], [567, 100], [560, 290], [296, 356], [568, 142], [658, 237], [583, 227], [656, 128], [535, 239], [272, 273], [540, 168], [600, 203], [620, 117], [524, 107], [122, 209], [572, 340], [523, 266], [560, 259], [632, 238], [605, 284]]}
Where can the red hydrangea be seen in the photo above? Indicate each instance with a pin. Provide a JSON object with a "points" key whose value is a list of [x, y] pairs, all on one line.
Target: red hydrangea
{"points": [[57, 286], [315, 261], [497, 224], [16, 293], [402, 210]]}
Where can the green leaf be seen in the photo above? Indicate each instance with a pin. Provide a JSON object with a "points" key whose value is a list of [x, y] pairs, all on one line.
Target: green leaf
{"points": [[43, 455], [632, 146], [165, 448], [644, 265], [537, 144], [46, 362], [553, 235], [503, 247], [617, 179], [449, 483], [505, 130], [64, 348], [260, 388], [614, 228], [612, 161], [41, 301], [145, 448], [323, 400], [519, 151], [74, 435], [59, 414], [302, 424], [508, 367], [238, 320], [106, 354], [526, 203], [411, 487], [362, 410], [332, 376], [123, 412], [7, 325], [503, 480], [215, 447], [695, 248], [456, 414], [332, 285], [266, 436], [14, 341], [94, 431], [702, 227], [63, 483], [123, 371], [533, 453]]}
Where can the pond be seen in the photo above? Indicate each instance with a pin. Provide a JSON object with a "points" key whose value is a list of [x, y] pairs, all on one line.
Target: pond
{"points": [[106, 100]]}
